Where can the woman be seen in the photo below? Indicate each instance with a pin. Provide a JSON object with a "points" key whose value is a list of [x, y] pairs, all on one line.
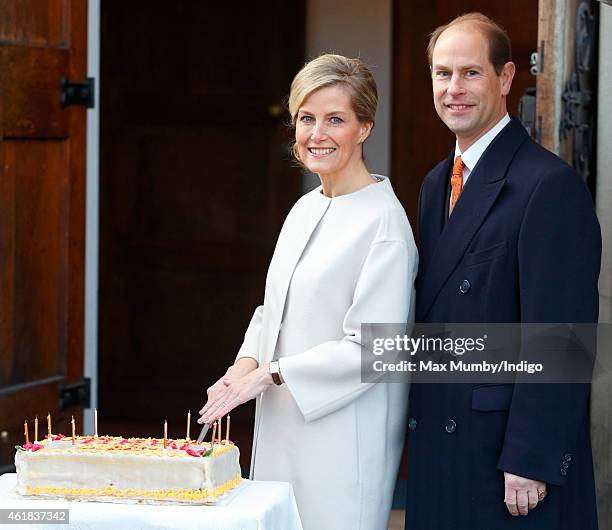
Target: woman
{"points": [[345, 256]]}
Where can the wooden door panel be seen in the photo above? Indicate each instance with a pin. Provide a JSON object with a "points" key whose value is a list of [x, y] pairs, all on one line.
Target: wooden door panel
{"points": [[42, 171], [201, 190], [30, 78], [35, 22], [144, 108], [7, 264], [35, 173], [16, 406]]}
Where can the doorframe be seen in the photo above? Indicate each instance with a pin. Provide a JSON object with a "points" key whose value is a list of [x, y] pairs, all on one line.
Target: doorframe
{"points": [[92, 213]]}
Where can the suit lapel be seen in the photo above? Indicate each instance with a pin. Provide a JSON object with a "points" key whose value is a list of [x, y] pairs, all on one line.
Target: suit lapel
{"points": [[433, 208], [477, 198]]}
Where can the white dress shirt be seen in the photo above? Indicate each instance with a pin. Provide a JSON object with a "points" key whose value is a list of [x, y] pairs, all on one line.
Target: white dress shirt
{"points": [[473, 153]]}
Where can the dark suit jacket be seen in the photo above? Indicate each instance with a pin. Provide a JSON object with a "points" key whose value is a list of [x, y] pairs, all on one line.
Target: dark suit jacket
{"points": [[525, 236]]}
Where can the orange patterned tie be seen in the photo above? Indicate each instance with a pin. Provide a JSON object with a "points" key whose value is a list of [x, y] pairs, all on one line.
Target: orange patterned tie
{"points": [[456, 182]]}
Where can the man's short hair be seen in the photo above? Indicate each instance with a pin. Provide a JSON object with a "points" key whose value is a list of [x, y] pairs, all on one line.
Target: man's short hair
{"points": [[500, 49]]}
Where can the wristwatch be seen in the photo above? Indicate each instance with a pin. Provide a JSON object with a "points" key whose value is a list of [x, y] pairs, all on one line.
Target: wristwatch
{"points": [[275, 373]]}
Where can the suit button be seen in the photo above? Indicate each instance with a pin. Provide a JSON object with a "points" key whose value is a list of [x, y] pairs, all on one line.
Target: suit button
{"points": [[567, 458], [412, 424], [464, 287], [451, 426], [563, 472]]}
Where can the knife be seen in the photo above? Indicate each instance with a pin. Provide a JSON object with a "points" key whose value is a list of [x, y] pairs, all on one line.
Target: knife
{"points": [[203, 432]]}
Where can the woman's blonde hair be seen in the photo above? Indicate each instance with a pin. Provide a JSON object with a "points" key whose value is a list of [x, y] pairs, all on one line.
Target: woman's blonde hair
{"points": [[329, 70]]}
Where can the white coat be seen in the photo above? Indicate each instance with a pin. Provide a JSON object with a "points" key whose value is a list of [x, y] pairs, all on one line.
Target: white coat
{"points": [[339, 262]]}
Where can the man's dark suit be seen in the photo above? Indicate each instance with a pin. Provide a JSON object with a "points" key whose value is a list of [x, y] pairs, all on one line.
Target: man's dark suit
{"points": [[525, 237]]}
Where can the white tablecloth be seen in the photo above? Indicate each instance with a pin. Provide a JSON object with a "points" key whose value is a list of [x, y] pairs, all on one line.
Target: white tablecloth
{"points": [[253, 505]]}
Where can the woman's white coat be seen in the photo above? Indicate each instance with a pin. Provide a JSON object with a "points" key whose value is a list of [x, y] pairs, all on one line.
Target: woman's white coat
{"points": [[339, 262]]}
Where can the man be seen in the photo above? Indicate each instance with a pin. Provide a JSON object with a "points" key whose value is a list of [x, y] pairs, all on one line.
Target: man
{"points": [[508, 234]]}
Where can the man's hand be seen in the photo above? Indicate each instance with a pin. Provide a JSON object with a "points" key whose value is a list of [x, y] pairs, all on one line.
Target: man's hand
{"points": [[522, 493]]}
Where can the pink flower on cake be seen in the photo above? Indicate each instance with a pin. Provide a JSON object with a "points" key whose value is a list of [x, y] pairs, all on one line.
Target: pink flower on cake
{"points": [[32, 447]]}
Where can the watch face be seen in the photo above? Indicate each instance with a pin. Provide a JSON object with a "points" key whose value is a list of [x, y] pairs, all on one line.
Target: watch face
{"points": [[274, 371]]}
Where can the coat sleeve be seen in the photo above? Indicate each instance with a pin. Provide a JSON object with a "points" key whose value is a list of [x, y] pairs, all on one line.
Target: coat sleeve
{"points": [[327, 377], [559, 254], [250, 345]]}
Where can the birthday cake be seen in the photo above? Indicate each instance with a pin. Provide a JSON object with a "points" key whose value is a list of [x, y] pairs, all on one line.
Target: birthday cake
{"points": [[134, 470]]}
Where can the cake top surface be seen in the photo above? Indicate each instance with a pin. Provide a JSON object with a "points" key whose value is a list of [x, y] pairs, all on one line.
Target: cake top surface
{"points": [[127, 446]]}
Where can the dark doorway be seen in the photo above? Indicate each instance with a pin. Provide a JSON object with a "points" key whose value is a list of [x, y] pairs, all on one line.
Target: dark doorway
{"points": [[195, 182]]}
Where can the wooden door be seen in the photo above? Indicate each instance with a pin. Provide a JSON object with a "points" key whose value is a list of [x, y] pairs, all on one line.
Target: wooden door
{"points": [[567, 82], [419, 138], [42, 171], [195, 182]]}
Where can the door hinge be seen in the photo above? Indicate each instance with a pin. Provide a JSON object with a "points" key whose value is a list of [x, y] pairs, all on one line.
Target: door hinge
{"points": [[75, 394], [533, 61], [78, 93]]}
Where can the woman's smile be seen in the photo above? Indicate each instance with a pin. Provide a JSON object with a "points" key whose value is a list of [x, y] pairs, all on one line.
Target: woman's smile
{"points": [[320, 152]]}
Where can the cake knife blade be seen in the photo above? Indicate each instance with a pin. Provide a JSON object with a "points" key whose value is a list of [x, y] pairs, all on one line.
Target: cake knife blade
{"points": [[203, 432]]}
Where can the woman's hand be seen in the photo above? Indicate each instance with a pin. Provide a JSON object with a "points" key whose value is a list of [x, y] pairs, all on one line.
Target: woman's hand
{"points": [[241, 368], [231, 391]]}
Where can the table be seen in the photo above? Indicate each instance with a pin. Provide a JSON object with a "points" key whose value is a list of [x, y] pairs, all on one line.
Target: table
{"points": [[252, 505]]}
